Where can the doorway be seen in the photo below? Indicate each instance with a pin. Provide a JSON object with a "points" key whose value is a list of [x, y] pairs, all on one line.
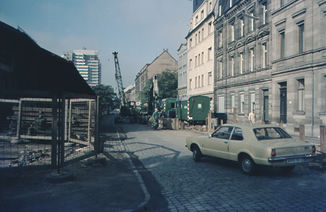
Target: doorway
{"points": [[265, 106], [283, 102]]}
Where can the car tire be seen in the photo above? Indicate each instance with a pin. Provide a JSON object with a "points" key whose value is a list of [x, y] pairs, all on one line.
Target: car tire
{"points": [[248, 166], [287, 169], [196, 154]]}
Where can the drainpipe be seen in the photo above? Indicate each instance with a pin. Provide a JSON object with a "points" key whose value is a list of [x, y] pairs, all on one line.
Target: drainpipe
{"points": [[313, 74]]}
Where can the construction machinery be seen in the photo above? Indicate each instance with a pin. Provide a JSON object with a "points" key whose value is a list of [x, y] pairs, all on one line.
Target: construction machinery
{"points": [[118, 78]]}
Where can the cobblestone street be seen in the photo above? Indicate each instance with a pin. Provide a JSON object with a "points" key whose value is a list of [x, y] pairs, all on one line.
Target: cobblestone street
{"points": [[218, 185]]}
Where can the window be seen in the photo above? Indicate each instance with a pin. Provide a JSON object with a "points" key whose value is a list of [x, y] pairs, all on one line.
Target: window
{"points": [[209, 27], [202, 33], [209, 78], [241, 27], [241, 61], [264, 14], [199, 37], [252, 102], [223, 132], [282, 3], [196, 39], [220, 38], [282, 44], [237, 134], [301, 88], [232, 66], [220, 69], [198, 82], [199, 59], [242, 102], [231, 3], [264, 55], [202, 14], [301, 37], [221, 104], [267, 133], [232, 31], [202, 57], [209, 54], [219, 9], [190, 82], [196, 61], [251, 22], [190, 42], [195, 82], [196, 19], [252, 60], [202, 80], [190, 63]]}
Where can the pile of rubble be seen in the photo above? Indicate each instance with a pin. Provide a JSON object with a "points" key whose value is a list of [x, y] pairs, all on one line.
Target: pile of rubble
{"points": [[31, 157]]}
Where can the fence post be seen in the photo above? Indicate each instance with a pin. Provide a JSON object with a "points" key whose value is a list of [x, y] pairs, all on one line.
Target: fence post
{"points": [[302, 132], [54, 132], [323, 139]]}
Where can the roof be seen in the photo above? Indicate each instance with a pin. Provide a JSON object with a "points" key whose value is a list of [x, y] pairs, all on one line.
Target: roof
{"points": [[28, 70]]}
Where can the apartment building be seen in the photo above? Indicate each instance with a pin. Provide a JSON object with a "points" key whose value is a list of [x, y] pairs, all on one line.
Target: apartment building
{"points": [[200, 53], [163, 62], [299, 64], [182, 71], [87, 64], [242, 59]]}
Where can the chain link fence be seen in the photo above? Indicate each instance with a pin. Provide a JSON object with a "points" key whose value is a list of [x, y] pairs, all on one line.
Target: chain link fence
{"points": [[27, 130]]}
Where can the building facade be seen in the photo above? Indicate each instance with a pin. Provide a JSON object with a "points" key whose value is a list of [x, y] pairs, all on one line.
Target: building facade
{"points": [[130, 93], [243, 65], [299, 64], [270, 59], [163, 62], [182, 71], [88, 65], [200, 53]]}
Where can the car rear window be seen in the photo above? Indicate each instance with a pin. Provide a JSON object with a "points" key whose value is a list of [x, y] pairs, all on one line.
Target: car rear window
{"points": [[267, 133]]}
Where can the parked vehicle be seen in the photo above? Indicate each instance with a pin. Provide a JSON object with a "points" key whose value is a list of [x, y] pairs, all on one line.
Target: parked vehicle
{"points": [[169, 107], [252, 145], [194, 110]]}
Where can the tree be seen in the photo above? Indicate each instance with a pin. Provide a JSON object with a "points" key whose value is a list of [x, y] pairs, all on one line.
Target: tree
{"points": [[108, 99], [168, 84]]}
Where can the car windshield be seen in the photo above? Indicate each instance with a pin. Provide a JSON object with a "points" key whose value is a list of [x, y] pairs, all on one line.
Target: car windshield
{"points": [[267, 133]]}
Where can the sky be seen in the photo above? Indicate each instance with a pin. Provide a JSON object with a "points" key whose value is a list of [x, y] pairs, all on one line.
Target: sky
{"points": [[138, 30]]}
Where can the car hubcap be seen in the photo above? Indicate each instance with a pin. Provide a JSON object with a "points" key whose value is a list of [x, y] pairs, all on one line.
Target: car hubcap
{"points": [[246, 164]]}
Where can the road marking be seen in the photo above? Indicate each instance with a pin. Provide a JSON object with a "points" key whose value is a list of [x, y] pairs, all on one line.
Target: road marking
{"points": [[139, 178]]}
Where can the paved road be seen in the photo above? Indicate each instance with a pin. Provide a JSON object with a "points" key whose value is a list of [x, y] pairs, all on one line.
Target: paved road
{"points": [[217, 185]]}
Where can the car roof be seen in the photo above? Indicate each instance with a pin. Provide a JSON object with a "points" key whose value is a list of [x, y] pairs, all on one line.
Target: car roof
{"points": [[250, 126]]}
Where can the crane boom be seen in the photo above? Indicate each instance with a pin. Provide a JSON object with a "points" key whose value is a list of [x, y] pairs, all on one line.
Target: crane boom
{"points": [[118, 78]]}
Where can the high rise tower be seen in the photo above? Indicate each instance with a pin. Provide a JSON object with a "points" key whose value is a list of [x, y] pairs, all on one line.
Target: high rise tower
{"points": [[88, 65]]}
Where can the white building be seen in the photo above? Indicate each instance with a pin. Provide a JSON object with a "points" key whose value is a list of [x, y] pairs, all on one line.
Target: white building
{"points": [[200, 54], [182, 71], [88, 65]]}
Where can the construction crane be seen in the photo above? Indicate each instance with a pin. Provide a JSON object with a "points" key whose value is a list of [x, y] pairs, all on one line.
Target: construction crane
{"points": [[118, 78]]}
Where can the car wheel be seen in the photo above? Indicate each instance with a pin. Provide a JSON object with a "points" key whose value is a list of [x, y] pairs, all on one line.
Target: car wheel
{"points": [[196, 154], [287, 168], [247, 165]]}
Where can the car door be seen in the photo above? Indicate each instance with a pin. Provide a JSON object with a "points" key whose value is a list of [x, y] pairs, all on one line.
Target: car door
{"points": [[217, 145]]}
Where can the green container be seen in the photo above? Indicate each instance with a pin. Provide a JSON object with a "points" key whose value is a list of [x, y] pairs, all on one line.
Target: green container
{"points": [[194, 110], [169, 107]]}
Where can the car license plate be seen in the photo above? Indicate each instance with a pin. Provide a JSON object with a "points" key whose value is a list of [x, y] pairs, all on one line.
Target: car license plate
{"points": [[296, 160]]}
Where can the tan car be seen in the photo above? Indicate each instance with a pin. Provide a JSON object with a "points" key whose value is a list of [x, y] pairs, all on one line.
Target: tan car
{"points": [[252, 145]]}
